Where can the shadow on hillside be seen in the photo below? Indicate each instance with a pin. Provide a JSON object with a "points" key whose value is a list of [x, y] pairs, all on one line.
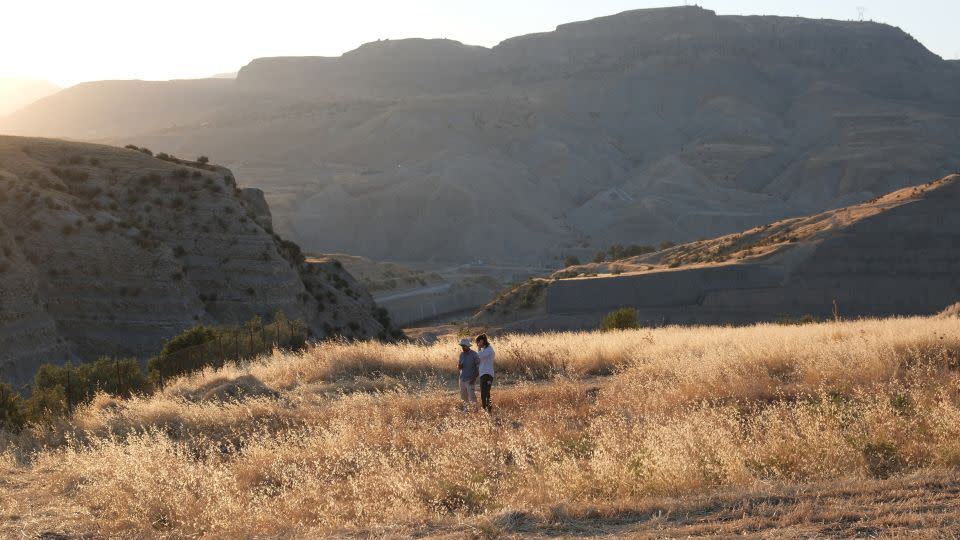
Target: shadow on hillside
{"points": [[229, 389]]}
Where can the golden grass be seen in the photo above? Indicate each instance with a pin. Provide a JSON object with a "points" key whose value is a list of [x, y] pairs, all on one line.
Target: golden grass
{"points": [[353, 438]]}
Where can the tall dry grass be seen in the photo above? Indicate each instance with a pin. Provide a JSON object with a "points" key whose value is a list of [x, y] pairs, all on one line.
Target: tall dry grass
{"points": [[368, 437]]}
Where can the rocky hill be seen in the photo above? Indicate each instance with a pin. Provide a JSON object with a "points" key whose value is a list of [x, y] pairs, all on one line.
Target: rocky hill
{"points": [[896, 255], [110, 251], [651, 125]]}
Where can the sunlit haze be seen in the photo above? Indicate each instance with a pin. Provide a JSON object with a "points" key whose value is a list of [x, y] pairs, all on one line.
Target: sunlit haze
{"points": [[67, 42]]}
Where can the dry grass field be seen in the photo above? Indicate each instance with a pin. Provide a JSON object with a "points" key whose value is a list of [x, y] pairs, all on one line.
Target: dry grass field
{"points": [[835, 429]]}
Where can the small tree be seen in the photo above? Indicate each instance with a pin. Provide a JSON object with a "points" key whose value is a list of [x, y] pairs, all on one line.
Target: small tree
{"points": [[197, 335], [203, 159], [571, 261], [621, 319], [599, 257]]}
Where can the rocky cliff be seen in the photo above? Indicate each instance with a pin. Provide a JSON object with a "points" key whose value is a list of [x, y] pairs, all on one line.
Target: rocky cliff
{"points": [[651, 125], [896, 255], [111, 251]]}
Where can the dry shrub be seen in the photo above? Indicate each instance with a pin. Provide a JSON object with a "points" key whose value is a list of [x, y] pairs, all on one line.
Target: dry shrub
{"points": [[951, 311], [366, 437]]}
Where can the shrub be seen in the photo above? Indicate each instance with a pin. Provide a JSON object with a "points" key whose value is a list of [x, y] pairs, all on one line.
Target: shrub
{"points": [[203, 159], [599, 257], [571, 261], [71, 175], [11, 409], [197, 335], [621, 319], [787, 320], [57, 390], [666, 244]]}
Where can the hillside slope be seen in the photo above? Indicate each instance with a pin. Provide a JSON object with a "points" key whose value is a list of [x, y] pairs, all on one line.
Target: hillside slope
{"points": [[111, 251], [651, 125], [895, 255]]}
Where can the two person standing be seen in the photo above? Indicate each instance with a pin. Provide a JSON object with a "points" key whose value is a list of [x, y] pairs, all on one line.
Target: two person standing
{"points": [[474, 365]]}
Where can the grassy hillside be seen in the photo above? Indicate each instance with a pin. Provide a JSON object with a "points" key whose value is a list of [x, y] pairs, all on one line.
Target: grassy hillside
{"points": [[829, 429]]}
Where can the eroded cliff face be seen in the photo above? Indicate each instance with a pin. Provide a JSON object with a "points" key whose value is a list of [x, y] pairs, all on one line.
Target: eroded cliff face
{"points": [[109, 251]]}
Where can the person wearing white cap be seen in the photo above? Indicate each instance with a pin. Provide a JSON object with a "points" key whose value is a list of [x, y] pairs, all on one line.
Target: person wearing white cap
{"points": [[469, 365]]}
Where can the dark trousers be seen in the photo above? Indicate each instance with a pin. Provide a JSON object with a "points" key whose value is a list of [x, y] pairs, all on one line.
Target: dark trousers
{"points": [[486, 382]]}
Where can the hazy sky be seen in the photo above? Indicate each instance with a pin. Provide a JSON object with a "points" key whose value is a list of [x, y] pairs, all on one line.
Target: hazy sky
{"points": [[68, 41]]}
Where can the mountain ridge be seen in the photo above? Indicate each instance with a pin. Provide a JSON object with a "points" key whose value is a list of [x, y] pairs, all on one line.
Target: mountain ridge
{"points": [[650, 125]]}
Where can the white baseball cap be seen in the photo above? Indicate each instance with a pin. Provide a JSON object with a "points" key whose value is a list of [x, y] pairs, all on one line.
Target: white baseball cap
{"points": [[465, 342]]}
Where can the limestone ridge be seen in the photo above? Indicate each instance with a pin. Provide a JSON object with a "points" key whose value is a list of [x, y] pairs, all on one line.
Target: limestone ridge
{"points": [[108, 251], [651, 125], [610, 45], [896, 255]]}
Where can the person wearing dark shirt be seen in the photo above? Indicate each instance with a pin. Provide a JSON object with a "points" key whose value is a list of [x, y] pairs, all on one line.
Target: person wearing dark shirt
{"points": [[469, 365]]}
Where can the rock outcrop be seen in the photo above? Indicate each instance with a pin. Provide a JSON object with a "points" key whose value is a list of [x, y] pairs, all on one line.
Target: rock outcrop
{"points": [[651, 125], [896, 255], [109, 251]]}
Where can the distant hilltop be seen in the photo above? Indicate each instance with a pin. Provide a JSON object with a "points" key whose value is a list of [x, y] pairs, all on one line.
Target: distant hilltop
{"points": [[395, 68], [17, 93]]}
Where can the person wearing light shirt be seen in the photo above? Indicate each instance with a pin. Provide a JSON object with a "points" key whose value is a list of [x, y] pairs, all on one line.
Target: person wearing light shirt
{"points": [[487, 356]]}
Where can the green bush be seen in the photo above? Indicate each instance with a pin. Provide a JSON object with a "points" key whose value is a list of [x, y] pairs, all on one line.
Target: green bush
{"points": [[11, 409], [175, 359], [571, 261], [57, 390], [621, 319], [197, 335], [47, 403]]}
